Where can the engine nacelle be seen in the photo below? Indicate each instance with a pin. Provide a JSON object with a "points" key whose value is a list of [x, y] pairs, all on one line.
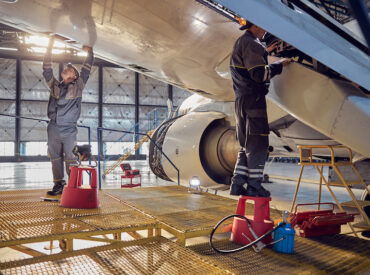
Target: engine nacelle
{"points": [[200, 144]]}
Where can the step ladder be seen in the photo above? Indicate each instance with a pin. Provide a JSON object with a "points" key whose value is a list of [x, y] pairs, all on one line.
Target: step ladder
{"points": [[128, 154], [306, 159]]}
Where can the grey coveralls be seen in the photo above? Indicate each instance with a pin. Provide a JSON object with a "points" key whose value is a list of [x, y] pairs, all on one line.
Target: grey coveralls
{"points": [[251, 76], [64, 110]]}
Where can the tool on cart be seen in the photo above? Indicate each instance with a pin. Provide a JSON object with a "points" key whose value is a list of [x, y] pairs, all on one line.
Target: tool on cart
{"points": [[129, 173], [248, 231], [319, 222], [75, 194]]}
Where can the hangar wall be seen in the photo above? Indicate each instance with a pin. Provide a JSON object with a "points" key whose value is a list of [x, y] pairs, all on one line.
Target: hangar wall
{"points": [[23, 92]]}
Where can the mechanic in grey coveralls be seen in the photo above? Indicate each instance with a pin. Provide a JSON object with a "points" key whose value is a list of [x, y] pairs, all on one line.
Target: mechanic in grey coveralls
{"points": [[251, 76], [64, 110]]}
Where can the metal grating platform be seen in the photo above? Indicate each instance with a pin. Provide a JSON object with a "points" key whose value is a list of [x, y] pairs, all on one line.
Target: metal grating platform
{"points": [[24, 218], [181, 213], [338, 254], [146, 256]]}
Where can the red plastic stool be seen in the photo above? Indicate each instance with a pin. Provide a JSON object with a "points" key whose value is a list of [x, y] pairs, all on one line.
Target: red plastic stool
{"points": [[261, 222], [74, 196]]}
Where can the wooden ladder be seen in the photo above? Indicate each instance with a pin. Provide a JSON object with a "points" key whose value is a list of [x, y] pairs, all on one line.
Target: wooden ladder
{"points": [[306, 158]]}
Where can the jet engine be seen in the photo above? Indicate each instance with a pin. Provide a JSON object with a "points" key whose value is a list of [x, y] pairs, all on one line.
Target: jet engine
{"points": [[199, 143]]}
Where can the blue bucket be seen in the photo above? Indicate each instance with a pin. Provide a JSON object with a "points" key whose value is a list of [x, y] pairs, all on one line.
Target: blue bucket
{"points": [[287, 245]]}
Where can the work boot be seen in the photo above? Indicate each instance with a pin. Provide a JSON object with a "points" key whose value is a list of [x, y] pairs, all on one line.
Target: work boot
{"points": [[236, 188], [57, 188], [260, 192]]}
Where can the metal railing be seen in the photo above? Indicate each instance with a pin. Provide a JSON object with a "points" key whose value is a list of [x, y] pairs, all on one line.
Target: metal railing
{"points": [[107, 158], [153, 117], [47, 121], [101, 129], [153, 122]]}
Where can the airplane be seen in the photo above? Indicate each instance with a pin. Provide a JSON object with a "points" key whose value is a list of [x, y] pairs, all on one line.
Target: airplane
{"points": [[322, 98]]}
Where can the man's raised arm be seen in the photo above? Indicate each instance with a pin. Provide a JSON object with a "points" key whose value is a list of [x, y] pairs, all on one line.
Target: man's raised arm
{"points": [[46, 66], [86, 67]]}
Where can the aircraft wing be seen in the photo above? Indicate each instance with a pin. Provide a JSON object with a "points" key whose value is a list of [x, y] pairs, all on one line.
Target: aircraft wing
{"points": [[179, 42], [304, 32]]}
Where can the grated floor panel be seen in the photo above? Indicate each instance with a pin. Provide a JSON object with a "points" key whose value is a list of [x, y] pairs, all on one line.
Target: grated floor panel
{"points": [[187, 221], [125, 219], [25, 218], [181, 210], [150, 256], [338, 254]]}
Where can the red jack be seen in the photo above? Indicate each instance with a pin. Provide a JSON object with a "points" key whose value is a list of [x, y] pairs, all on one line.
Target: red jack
{"points": [[74, 196], [260, 222]]}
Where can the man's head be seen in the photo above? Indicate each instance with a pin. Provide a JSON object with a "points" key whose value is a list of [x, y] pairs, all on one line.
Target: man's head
{"points": [[69, 74], [254, 29]]}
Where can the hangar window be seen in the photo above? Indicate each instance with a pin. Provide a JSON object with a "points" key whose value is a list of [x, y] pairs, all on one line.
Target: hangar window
{"points": [[6, 148], [118, 148], [34, 148], [144, 149]]}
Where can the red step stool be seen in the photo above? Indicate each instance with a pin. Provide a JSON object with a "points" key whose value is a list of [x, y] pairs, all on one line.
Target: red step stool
{"points": [[261, 222], [128, 173], [76, 196], [319, 222]]}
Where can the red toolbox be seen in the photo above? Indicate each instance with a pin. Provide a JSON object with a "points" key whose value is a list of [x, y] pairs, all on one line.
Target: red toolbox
{"points": [[319, 222]]}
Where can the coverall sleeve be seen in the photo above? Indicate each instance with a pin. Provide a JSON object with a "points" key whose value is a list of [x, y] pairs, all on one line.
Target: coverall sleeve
{"points": [[47, 67], [86, 67], [259, 70]]}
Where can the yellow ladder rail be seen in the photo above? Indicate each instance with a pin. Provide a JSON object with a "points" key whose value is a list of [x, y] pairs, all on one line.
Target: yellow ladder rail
{"points": [[128, 154], [306, 158]]}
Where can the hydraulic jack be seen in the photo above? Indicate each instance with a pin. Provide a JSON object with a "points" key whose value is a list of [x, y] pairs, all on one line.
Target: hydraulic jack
{"points": [[75, 195], [260, 222], [250, 231]]}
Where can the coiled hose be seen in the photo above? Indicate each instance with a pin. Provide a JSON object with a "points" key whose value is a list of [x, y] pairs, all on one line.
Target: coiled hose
{"points": [[250, 227]]}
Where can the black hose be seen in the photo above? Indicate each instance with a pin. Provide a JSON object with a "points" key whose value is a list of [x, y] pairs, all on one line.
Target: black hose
{"points": [[245, 246]]}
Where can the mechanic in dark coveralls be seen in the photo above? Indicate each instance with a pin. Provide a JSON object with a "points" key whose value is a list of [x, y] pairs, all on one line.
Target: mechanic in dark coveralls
{"points": [[64, 110], [251, 76]]}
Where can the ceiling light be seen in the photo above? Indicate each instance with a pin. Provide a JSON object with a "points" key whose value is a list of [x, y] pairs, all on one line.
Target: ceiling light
{"points": [[42, 41], [8, 49]]}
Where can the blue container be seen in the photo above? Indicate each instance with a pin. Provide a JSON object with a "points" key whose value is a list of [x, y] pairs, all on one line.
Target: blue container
{"points": [[286, 245]]}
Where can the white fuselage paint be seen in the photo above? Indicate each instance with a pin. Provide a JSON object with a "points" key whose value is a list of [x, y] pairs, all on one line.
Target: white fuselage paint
{"points": [[183, 43]]}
